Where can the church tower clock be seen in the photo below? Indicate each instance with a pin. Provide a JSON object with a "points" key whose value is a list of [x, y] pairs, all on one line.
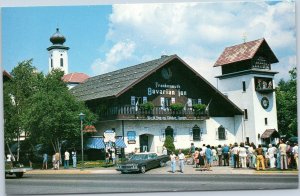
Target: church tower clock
{"points": [[58, 53], [248, 80]]}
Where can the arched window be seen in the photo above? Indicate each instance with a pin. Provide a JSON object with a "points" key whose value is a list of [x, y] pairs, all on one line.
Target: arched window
{"points": [[196, 133], [61, 62], [221, 133], [169, 131]]}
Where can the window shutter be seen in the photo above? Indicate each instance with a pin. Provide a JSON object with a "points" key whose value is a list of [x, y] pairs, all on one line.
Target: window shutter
{"points": [[217, 134], [189, 102], [133, 100], [199, 101], [175, 135], [162, 135], [162, 102], [172, 100], [191, 134], [145, 100], [201, 134]]}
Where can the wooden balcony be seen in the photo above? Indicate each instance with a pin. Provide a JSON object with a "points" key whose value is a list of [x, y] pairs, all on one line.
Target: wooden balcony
{"points": [[265, 90], [157, 113]]}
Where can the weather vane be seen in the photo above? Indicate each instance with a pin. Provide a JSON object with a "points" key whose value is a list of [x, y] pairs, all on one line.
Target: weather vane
{"points": [[244, 37]]}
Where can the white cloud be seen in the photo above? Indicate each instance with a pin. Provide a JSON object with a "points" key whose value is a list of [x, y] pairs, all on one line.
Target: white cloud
{"points": [[121, 51], [199, 32], [283, 67]]}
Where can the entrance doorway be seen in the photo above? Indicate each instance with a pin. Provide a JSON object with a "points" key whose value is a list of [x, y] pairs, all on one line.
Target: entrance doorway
{"points": [[146, 141]]}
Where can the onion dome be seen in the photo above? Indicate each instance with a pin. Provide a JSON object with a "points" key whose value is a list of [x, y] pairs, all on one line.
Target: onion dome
{"points": [[57, 38]]}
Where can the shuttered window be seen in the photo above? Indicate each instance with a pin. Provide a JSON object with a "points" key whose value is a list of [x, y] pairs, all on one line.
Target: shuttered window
{"points": [[221, 133]]}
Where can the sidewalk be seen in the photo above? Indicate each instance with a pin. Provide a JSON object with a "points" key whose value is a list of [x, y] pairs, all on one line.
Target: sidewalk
{"points": [[189, 169]]}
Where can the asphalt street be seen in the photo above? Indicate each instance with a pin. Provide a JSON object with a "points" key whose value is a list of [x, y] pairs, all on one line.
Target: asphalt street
{"points": [[32, 184]]}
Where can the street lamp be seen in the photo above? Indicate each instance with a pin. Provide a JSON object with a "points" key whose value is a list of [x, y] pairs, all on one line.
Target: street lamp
{"points": [[81, 115]]}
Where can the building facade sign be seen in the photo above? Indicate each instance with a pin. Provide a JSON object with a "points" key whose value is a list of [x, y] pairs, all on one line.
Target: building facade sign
{"points": [[109, 136], [166, 89]]}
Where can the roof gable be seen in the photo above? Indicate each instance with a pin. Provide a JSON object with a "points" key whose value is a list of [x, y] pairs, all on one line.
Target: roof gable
{"points": [[116, 83], [245, 51]]}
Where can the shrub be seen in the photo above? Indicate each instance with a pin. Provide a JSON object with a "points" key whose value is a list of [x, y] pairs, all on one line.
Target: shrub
{"points": [[199, 107], [169, 144], [147, 106], [176, 107]]}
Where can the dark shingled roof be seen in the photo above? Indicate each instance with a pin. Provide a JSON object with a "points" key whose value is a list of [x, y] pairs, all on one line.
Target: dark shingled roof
{"points": [[116, 82], [270, 132], [245, 51]]}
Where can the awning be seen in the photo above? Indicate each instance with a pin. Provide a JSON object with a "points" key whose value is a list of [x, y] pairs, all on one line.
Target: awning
{"points": [[270, 133], [120, 143], [95, 143]]}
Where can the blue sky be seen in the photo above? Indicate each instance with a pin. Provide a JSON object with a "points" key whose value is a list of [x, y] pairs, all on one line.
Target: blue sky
{"points": [[106, 38]]}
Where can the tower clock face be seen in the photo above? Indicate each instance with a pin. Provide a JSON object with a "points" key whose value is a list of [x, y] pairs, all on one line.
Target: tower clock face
{"points": [[265, 102]]}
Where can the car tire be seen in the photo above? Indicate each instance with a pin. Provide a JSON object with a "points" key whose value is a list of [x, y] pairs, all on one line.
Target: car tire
{"points": [[19, 174], [161, 164], [143, 169]]}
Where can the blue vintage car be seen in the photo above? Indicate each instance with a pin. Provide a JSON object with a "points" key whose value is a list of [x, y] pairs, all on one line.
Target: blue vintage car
{"points": [[141, 162]]}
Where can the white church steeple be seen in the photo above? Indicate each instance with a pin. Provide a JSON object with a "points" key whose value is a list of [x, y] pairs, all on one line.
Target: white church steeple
{"points": [[58, 53]]}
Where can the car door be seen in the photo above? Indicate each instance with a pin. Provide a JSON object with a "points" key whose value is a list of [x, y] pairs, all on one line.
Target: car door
{"points": [[152, 160]]}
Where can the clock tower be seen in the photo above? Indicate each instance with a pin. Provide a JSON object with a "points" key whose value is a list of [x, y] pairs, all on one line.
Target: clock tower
{"points": [[248, 80], [58, 53]]}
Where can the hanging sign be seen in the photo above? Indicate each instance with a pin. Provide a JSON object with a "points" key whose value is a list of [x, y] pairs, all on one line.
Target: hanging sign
{"points": [[131, 137], [109, 136], [89, 129]]}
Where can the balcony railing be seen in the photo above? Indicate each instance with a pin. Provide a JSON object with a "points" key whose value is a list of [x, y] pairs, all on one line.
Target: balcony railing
{"points": [[265, 90], [157, 113]]}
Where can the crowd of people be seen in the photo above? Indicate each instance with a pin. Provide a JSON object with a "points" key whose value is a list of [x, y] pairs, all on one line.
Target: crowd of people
{"points": [[282, 156], [57, 160]]}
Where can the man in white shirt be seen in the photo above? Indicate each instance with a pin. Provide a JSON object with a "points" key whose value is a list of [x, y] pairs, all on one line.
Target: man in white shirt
{"points": [[295, 153], [67, 158], [181, 158], [235, 152], [283, 158]]}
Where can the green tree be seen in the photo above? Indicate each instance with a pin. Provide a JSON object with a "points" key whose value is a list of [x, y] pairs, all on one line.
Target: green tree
{"points": [[286, 102], [17, 90], [53, 115], [42, 107], [169, 143]]}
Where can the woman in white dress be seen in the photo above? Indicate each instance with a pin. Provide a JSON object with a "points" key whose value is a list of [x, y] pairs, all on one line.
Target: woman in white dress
{"points": [[243, 155], [271, 152]]}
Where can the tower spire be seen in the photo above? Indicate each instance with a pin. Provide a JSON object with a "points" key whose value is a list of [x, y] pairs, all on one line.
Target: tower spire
{"points": [[58, 52]]}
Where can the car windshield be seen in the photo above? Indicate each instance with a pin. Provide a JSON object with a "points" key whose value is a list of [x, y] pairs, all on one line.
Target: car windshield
{"points": [[139, 157]]}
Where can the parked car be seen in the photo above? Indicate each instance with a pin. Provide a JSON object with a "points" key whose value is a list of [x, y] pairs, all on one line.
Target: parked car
{"points": [[141, 162], [15, 168]]}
